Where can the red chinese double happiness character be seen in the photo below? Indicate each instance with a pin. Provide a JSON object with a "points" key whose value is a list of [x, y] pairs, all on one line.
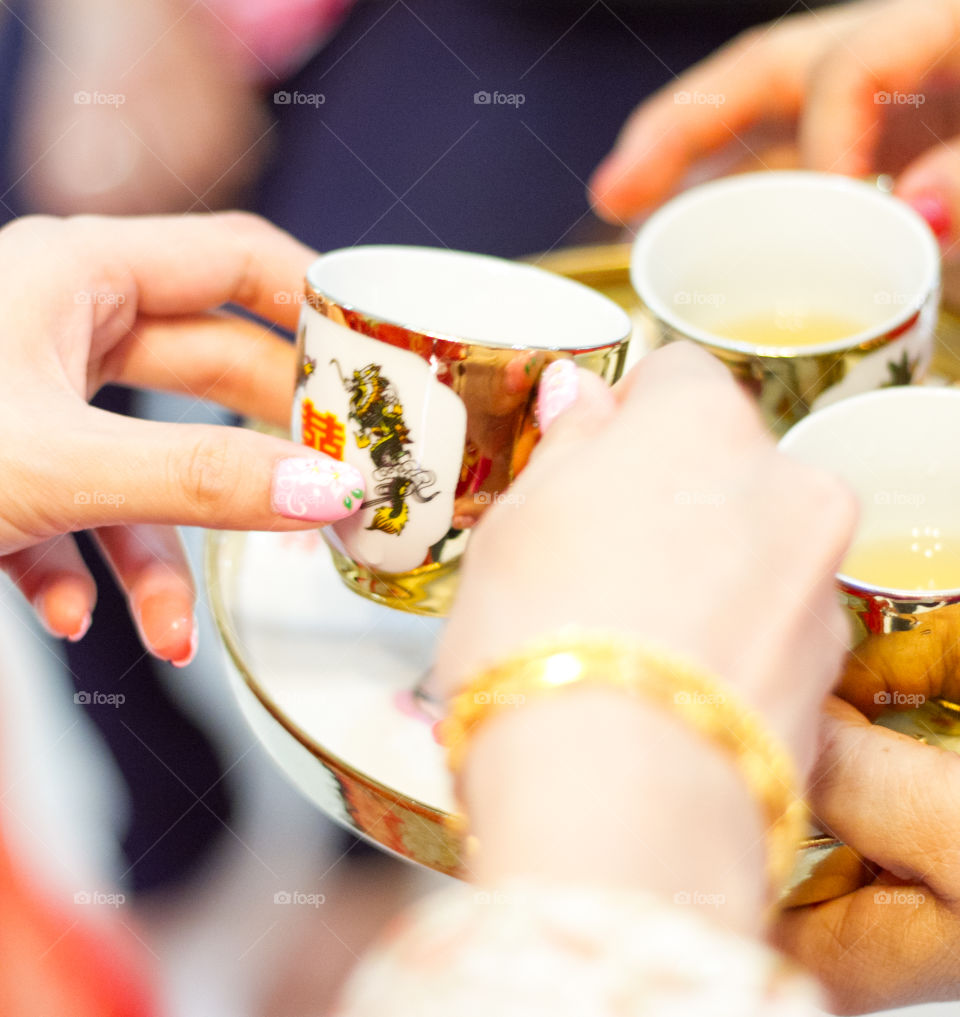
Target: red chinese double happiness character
{"points": [[322, 431]]}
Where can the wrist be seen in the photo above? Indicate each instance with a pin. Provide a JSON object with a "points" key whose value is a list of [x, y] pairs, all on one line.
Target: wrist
{"points": [[599, 787]]}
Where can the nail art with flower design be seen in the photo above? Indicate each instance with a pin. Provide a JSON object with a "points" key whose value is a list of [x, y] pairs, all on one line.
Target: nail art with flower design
{"points": [[558, 391], [320, 490]]}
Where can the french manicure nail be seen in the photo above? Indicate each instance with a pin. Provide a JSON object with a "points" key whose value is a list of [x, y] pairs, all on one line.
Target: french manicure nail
{"points": [[319, 490], [82, 628], [194, 643], [559, 385], [936, 211]]}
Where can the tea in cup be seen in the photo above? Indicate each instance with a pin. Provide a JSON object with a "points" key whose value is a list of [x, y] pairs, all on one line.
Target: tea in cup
{"points": [[811, 287], [900, 581]]}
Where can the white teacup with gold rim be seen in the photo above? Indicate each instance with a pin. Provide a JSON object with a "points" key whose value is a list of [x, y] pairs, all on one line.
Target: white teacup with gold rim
{"points": [[900, 581], [810, 286], [419, 366]]}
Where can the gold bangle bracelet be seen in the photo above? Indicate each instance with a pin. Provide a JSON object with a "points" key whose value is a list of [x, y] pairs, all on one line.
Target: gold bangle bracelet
{"points": [[575, 658]]}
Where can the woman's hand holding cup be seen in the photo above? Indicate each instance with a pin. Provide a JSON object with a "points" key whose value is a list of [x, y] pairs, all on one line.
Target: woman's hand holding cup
{"points": [[94, 301]]}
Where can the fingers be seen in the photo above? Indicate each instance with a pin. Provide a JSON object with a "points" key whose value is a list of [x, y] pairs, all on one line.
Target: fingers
{"points": [[117, 470], [854, 84], [678, 125], [675, 362], [684, 373], [151, 567], [191, 263], [883, 946], [54, 579], [759, 76], [219, 357], [892, 799]]}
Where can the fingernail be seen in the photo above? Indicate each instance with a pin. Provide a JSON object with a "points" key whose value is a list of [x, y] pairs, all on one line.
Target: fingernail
{"points": [[82, 628], [936, 210], [559, 385], [320, 490], [194, 643], [164, 633], [62, 608]]}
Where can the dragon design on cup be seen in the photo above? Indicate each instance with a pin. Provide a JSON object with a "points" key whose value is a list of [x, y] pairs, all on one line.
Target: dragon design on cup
{"points": [[377, 414]]}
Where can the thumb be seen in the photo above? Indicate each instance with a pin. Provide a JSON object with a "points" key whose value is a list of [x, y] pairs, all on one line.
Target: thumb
{"points": [[931, 185], [892, 799], [131, 471]]}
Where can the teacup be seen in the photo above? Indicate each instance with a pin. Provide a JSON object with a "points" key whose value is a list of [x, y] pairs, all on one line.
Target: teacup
{"points": [[420, 366], [900, 582], [811, 287]]}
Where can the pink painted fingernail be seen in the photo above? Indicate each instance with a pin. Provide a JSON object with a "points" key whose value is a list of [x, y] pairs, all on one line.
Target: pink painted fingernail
{"points": [[559, 385], [194, 643], [319, 490], [936, 211]]}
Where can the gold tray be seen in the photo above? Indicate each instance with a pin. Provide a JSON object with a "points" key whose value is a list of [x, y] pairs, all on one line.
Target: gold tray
{"points": [[323, 676]]}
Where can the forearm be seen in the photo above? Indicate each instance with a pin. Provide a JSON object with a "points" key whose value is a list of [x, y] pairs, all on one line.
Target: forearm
{"points": [[597, 816], [595, 788]]}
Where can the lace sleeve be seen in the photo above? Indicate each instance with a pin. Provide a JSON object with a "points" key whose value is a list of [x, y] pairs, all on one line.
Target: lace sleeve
{"points": [[529, 950]]}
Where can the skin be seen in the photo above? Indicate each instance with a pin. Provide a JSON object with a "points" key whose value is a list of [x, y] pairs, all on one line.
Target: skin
{"points": [[895, 801], [629, 769], [187, 132], [803, 91], [693, 574], [135, 301]]}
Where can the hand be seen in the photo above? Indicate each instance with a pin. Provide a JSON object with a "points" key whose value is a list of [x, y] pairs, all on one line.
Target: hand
{"points": [[865, 88], [662, 510], [95, 300], [895, 801]]}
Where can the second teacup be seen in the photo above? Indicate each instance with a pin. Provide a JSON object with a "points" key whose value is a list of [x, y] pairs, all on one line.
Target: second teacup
{"points": [[810, 286], [900, 581]]}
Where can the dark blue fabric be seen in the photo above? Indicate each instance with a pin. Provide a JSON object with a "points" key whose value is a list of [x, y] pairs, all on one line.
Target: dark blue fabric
{"points": [[399, 120], [11, 48]]}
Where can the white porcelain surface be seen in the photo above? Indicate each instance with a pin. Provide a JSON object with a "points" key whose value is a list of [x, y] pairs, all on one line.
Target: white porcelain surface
{"points": [[896, 448], [337, 666], [785, 243], [436, 419], [469, 297]]}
